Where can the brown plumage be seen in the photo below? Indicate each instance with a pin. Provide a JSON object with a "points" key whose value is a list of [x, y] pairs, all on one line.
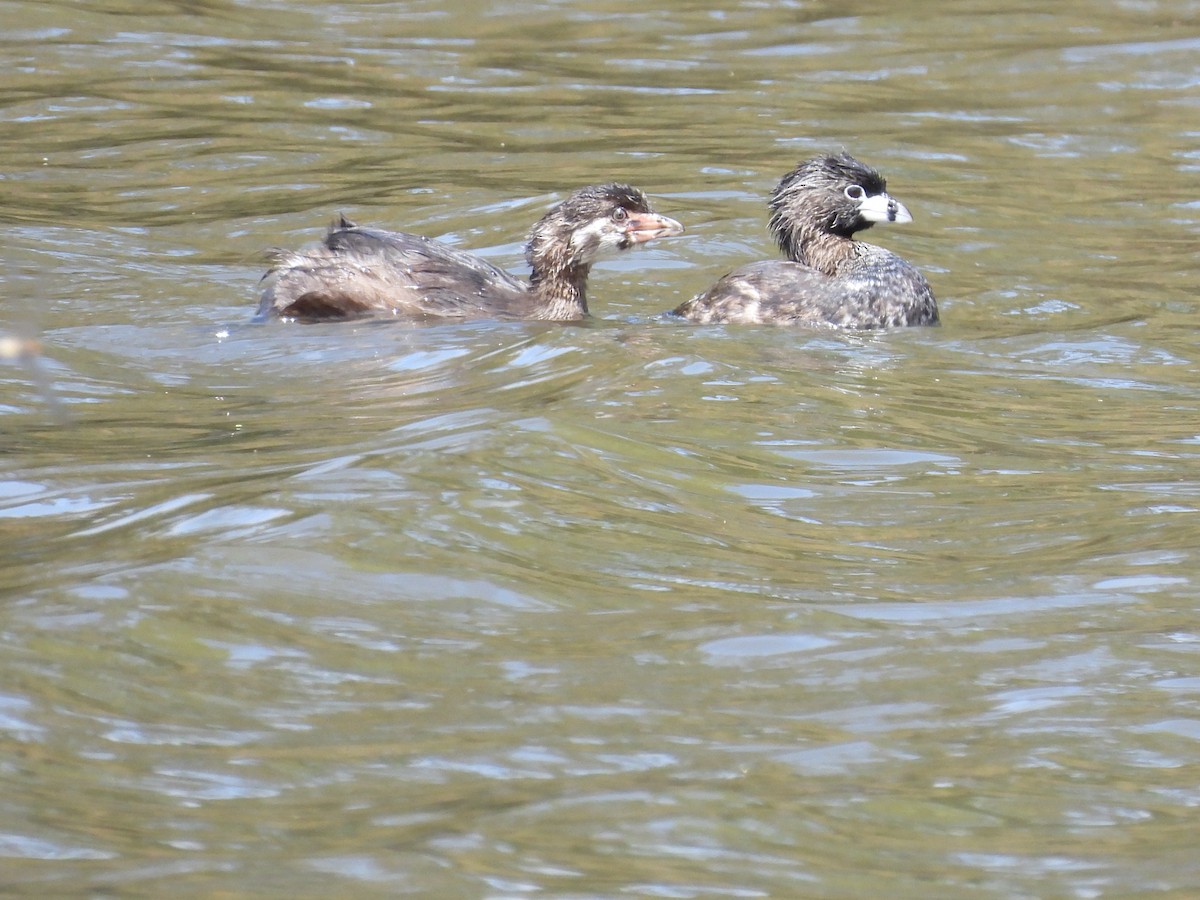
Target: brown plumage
{"points": [[829, 278], [357, 272]]}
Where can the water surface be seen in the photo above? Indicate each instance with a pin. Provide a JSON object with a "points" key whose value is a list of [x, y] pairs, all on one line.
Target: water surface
{"points": [[622, 608]]}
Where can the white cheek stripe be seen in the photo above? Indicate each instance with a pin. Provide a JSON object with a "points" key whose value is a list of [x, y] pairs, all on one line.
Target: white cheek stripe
{"points": [[596, 237]]}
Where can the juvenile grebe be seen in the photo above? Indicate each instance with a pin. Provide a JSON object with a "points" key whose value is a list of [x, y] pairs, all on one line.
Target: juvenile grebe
{"points": [[357, 272], [829, 278]]}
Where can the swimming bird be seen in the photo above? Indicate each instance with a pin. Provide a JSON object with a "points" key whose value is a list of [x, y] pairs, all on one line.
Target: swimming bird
{"points": [[829, 278], [357, 271]]}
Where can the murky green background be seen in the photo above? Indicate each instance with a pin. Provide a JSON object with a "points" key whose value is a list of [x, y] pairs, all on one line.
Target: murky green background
{"points": [[632, 608]]}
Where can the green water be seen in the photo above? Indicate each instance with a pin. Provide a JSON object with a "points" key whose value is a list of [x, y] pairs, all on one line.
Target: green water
{"points": [[631, 608]]}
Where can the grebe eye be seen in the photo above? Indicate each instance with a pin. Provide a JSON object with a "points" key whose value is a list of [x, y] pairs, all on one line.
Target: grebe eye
{"points": [[855, 192], [620, 214]]}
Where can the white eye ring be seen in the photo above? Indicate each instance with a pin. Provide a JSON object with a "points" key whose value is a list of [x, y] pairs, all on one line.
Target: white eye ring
{"points": [[855, 192], [620, 214]]}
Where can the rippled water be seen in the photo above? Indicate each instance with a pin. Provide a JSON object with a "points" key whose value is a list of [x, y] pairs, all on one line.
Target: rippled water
{"points": [[626, 608]]}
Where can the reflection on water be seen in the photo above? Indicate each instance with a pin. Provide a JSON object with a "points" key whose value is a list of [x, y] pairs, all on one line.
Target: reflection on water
{"points": [[622, 607]]}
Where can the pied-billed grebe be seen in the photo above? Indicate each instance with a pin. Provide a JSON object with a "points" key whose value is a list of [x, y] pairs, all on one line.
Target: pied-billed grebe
{"points": [[829, 278], [359, 272]]}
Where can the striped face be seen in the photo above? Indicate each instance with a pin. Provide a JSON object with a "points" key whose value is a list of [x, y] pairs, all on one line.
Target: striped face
{"points": [[598, 222], [621, 229]]}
